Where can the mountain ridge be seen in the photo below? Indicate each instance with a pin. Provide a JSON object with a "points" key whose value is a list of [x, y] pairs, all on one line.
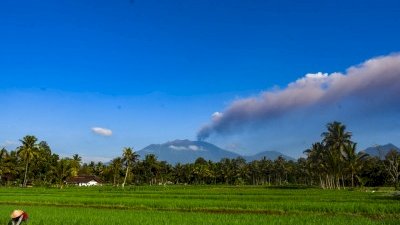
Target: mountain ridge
{"points": [[381, 150], [186, 151]]}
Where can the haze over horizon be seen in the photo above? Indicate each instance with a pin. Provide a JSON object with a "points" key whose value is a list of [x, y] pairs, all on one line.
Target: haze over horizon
{"points": [[92, 77]]}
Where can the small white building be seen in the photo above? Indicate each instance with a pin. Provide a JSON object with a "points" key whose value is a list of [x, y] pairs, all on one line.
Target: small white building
{"points": [[85, 180]]}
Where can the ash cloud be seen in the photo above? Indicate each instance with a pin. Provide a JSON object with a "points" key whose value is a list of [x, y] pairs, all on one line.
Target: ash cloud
{"points": [[375, 80]]}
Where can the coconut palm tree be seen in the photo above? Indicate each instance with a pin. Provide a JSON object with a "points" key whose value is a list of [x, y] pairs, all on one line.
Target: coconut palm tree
{"points": [[280, 169], [352, 160], [116, 165], [75, 164], [129, 157], [151, 168], [266, 169], [41, 167], [316, 160], [63, 171], [226, 170], [4, 168], [336, 135], [27, 151], [335, 140]]}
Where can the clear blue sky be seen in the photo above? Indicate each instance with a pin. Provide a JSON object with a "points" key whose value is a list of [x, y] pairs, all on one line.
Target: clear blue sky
{"points": [[153, 71]]}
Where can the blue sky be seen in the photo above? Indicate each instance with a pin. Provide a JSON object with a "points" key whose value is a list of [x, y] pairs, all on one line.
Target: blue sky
{"points": [[154, 71]]}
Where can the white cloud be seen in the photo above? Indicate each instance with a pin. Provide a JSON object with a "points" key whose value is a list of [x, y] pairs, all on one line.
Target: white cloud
{"points": [[194, 148], [184, 148], [179, 148], [102, 131], [216, 116]]}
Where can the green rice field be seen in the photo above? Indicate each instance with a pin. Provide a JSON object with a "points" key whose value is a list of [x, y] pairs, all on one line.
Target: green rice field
{"points": [[200, 205]]}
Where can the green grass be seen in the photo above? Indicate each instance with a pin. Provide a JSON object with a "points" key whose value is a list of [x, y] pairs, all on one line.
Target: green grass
{"points": [[200, 205]]}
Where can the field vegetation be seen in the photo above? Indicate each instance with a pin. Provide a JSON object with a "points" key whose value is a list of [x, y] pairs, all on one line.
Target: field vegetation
{"points": [[201, 205]]}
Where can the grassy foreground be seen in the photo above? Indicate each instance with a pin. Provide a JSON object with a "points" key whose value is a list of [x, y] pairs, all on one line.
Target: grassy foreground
{"points": [[199, 205]]}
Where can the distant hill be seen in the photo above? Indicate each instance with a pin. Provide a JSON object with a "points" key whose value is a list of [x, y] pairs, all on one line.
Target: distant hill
{"points": [[272, 155], [381, 150], [186, 151]]}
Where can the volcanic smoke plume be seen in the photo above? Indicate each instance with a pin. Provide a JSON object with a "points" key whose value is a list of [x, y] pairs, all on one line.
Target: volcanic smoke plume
{"points": [[377, 78]]}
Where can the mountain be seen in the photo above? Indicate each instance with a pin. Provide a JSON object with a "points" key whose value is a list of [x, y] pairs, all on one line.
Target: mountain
{"points": [[381, 150], [272, 155], [186, 151]]}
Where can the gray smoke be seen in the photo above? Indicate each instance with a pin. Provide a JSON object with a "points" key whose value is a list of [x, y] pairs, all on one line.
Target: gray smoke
{"points": [[377, 78]]}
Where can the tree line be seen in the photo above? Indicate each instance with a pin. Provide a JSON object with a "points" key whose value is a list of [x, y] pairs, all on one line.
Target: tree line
{"points": [[332, 163]]}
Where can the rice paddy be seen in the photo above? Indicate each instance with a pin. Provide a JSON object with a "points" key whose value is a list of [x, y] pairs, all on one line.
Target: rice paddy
{"points": [[200, 205]]}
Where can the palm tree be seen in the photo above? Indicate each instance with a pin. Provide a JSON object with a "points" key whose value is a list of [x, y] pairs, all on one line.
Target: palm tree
{"points": [[352, 160], [75, 164], [266, 168], [63, 170], [129, 157], [280, 169], [178, 173], [77, 158], [151, 168], [100, 170], [116, 165], [336, 136], [316, 161], [254, 172], [3, 158], [42, 166], [240, 170], [335, 140], [226, 170], [27, 151]]}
